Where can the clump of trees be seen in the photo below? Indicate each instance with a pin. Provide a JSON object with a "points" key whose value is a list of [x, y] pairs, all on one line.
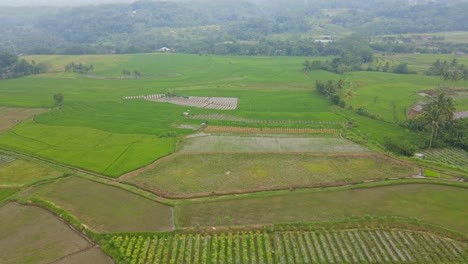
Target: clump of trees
{"points": [[127, 74], [79, 68], [11, 66], [335, 91], [352, 52], [58, 98], [448, 71], [437, 121]]}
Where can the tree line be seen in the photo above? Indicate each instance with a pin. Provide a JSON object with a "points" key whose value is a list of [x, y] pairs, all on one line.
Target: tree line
{"points": [[11, 66], [448, 71], [276, 27]]}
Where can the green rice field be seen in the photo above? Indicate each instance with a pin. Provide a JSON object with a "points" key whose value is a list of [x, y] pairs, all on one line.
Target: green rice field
{"points": [[434, 204]]}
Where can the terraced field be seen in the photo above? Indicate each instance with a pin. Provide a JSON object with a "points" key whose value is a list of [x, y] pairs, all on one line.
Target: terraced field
{"points": [[346, 246], [455, 157]]}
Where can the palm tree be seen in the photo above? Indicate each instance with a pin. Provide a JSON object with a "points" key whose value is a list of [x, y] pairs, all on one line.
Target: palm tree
{"points": [[438, 114]]}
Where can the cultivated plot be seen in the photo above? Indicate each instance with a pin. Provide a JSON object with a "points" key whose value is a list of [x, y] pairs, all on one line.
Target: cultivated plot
{"points": [[32, 235], [344, 246], [221, 103], [91, 149], [435, 204], [105, 208], [454, 157], [11, 116], [239, 172], [216, 143], [20, 172]]}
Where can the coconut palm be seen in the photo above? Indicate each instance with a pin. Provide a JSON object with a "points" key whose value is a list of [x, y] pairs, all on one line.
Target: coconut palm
{"points": [[437, 114]]}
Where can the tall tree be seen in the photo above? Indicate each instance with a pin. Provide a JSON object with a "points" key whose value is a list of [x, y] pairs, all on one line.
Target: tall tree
{"points": [[58, 98], [437, 114]]}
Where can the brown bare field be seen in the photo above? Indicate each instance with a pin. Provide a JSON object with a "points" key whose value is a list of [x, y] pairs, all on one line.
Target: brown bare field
{"points": [[105, 208], [32, 235], [93, 255], [11, 116]]}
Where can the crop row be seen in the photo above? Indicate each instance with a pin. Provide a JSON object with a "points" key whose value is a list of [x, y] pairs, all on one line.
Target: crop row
{"points": [[455, 157], [350, 246], [5, 159], [229, 129], [259, 121]]}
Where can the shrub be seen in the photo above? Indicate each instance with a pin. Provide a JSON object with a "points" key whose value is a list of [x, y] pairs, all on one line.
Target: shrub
{"points": [[399, 146]]}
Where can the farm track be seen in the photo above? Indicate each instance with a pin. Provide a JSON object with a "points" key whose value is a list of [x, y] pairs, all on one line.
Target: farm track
{"points": [[382, 245]]}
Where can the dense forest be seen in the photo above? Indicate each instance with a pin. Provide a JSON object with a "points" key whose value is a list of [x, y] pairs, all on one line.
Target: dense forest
{"points": [[255, 27]]}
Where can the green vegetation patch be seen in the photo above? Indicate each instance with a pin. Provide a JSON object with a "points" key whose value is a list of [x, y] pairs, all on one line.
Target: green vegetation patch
{"points": [[434, 204], [6, 193], [217, 143], [191, 173], [21, 172], [32, 235], [105, 208], [343, 246], [91, 149]]}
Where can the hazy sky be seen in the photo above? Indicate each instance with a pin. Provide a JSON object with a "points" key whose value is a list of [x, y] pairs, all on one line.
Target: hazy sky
{"points": [[58, 2]]}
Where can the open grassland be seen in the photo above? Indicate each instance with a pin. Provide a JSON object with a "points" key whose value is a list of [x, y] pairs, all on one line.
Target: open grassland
{"points": [[269, 143], [95, 150], [238, 172], [20, 172], [343, 246], [32, 235], [105, 208], [11, 116], [434, 204]]}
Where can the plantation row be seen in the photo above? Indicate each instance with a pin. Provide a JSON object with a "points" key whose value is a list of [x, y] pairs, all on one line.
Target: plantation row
{"points": [[5, 159], [352, 246], [229, 129], [258, 121], [457, 157]]}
